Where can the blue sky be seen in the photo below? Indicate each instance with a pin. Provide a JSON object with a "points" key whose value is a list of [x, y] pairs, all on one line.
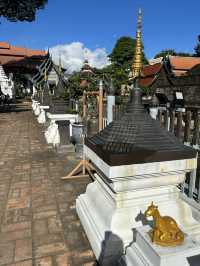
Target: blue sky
{"points": [[98, 23]]}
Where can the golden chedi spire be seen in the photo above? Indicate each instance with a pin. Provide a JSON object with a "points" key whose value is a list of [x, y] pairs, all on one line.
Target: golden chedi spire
{"points": [[137, 63]]}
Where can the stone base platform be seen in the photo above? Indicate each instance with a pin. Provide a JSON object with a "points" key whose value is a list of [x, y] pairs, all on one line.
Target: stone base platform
{"points": [[120, 213], [143, 252]]}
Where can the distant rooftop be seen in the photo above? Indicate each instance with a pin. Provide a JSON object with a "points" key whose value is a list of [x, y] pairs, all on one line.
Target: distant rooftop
{"points": [[180, 64], [149, 73], [177, 66], [10, 53]]}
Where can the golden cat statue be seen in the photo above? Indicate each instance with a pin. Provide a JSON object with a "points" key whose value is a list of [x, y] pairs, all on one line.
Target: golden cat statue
{"points": [[165, 231]]}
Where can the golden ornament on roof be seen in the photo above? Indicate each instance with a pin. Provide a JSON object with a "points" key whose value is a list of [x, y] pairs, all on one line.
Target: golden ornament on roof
{"points": [[137, 63]]}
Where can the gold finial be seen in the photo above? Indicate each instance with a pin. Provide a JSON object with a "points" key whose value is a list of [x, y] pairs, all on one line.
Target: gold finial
{"points": [[137, 63]]}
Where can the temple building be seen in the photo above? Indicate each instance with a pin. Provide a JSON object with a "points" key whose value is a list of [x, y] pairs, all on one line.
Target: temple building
{"points": [[6, 84], [21, 64], [20, 60], [174, 74], [48, 71]]}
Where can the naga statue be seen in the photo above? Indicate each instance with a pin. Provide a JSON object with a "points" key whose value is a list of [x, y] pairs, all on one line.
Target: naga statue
{"points": [[6, 84], [166, 231]]}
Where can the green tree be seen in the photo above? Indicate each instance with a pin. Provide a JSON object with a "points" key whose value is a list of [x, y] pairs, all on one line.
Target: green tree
{"points": [[165, 53], [168, 52], [183, 54], [73, 86], [74, 89], [20, 10], [121, 61], [123, 53], [122, 57]]}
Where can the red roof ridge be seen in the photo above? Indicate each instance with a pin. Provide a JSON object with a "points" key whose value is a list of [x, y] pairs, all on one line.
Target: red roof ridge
{"points": [[150, 70], [7, 48], [184, 57], [27, 51], [11, 53]]}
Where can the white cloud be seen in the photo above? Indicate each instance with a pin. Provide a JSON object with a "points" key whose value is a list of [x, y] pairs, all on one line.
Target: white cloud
{"points": [[74, 54]]}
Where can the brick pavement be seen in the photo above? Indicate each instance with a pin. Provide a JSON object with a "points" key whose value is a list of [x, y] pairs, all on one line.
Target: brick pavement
{"points": [[39, 224]]}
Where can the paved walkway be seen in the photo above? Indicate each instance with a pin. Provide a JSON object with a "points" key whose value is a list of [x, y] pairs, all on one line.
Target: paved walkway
{"points": [[39, 225]]}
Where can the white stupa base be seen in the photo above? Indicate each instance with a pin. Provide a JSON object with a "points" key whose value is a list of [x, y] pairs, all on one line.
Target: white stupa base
{"points": [[42, 116], [116, 201], [143, 252], [52, 135], [61, 117], [101, 210], [37, 109], [34, 105]]}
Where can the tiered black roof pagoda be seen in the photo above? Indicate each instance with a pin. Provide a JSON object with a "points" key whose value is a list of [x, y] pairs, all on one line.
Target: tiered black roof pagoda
{"points": [[137, 138], [46, 97], [58, 104]]}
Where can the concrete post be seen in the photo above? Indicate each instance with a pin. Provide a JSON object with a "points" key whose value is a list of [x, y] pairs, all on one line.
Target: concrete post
{"points": [[100, 105], [110, 103]]}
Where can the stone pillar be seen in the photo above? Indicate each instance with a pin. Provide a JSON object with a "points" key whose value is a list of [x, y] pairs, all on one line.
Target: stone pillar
{"points": [[110, 103], [154, 107], [100, 105]]}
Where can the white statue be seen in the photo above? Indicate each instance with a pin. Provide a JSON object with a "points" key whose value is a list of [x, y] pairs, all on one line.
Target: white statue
{"points": [[52, 134], [6, 83]]}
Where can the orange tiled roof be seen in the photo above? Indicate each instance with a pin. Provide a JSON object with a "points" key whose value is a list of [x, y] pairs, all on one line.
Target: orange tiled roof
{"points": [[4, 45], [150, 70], [10, 53], [149, 73], [145, 82], [180, 65]]}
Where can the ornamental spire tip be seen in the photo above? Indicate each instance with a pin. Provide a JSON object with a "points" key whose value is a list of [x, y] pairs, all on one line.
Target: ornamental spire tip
{"points": [[137, 64]]}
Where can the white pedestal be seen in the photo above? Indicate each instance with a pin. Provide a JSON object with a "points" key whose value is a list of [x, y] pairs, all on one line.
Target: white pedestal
{"points": [[42, 116], [154, 112], [34, 105], [52, 133], [37, 109], [110, 104], [143, 252], [115, 202]]}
